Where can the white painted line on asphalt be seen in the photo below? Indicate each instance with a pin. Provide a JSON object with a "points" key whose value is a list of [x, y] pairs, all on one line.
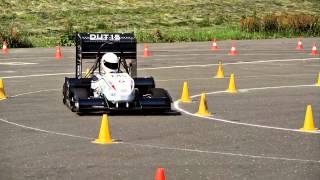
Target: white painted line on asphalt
{"points": [[165, 147], [25, 57], [35, 75], [223, 153], [166, 80], [7, 71], [155, 146], [277, 75], [174, 67], [206, 49], [315, 65], [42, 130], [177, 102], [264, 52], [263, 76], [33, 92], [208, 54], [235, 63], [280, 64], [37, 58], [16, 63]]}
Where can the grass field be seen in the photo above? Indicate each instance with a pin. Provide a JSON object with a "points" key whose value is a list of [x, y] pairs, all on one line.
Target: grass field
{"points": [[48, 22]]}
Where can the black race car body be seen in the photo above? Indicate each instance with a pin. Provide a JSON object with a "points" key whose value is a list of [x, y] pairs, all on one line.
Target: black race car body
{"points": [[77, 92]]}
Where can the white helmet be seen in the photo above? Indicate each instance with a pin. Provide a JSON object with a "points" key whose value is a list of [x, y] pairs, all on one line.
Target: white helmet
{"points": [[110, 62]]}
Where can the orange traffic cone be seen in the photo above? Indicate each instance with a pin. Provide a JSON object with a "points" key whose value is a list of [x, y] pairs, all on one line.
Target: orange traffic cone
{"points": [[58, 52], [5, 47], [299, 45], [314, 50], [214, 46], [233, 51], [160, 175], [146, 52]]}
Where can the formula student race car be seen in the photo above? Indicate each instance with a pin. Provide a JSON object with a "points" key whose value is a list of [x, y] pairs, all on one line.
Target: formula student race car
{"points": [[111, 91]]}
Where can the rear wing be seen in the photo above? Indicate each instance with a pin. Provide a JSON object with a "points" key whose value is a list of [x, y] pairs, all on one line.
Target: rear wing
{"points": [[124, 45]]}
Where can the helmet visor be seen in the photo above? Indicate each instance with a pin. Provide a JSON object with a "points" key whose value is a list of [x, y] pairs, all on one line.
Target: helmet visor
{"points": [[111, 65]]}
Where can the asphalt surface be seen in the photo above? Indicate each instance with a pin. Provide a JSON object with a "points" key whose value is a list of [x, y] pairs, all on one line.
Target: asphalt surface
{"points": [[252, 135]]}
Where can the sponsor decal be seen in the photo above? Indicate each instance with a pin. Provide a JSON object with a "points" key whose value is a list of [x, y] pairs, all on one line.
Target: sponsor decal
{"points": [[110, 37]]}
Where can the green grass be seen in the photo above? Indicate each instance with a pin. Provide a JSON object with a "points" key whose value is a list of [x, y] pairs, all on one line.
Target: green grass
{"points": [[48, 22]]}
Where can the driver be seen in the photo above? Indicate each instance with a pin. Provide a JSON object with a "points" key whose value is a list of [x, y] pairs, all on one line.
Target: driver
{"points": [[109, 64]]}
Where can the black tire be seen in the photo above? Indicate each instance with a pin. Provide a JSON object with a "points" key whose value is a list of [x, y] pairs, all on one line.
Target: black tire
{"points": [[68, 96], [80, 93], [159, 93], [163, 97], [144, 85], [64, 90]]}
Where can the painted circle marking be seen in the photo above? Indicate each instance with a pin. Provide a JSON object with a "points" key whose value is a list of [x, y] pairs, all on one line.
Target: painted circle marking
{"points": [[158, 147], [177, 102]]}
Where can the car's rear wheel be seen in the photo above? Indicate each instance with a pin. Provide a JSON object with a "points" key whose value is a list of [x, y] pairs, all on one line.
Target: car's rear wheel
{"points": [[64, 89], [158, 93]]}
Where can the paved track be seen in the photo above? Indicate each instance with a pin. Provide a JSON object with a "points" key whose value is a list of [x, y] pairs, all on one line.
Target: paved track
{"points": [[252, 134]]}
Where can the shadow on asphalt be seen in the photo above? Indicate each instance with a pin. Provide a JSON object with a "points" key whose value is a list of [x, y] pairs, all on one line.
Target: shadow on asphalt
{"points": [[132, 113]]}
